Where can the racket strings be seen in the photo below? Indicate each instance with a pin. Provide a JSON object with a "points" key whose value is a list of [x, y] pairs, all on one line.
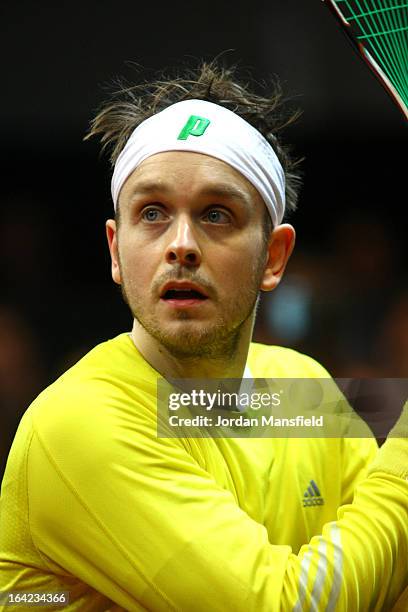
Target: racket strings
{"points": [[387, 50], [382, 28]]}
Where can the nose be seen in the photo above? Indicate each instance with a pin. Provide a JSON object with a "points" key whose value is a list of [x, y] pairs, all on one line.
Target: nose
{"points": [[183, 247]]}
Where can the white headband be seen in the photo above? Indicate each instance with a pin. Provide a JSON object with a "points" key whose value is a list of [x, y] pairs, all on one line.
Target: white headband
{"points": [[204, 127]]}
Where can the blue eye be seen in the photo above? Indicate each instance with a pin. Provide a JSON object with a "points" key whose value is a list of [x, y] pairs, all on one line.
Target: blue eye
{"points": [[152, 214], [217, 216]]}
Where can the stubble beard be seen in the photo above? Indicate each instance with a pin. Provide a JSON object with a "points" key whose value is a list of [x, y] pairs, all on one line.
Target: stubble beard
{"points": [[218, 339]]}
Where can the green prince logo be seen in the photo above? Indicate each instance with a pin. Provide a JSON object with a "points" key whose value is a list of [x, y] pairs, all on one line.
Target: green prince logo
{"points": [[195, 126]]}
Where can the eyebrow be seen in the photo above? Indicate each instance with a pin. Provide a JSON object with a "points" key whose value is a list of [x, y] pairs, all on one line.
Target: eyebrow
{"points": [[218, 190]]}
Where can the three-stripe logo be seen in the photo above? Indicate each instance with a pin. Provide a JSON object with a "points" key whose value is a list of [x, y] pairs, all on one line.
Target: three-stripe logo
{"points": [[312, 495]]}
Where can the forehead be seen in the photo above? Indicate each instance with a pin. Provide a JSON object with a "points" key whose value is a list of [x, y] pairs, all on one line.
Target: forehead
{"points": [[178, 170]]}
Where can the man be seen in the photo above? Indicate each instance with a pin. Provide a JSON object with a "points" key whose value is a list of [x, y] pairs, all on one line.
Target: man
{"points": [[94, 503]]}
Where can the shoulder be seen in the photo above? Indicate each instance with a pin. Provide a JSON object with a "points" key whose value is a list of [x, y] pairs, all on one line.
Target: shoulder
{"points": [[320, 389], [110, 389], [278, 361]]}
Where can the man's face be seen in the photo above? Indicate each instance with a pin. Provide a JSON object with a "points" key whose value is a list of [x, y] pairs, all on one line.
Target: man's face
{"points": [[189, 252]]}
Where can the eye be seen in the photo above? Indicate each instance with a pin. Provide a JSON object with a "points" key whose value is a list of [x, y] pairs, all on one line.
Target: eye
{"points": [[152, 214], [217, 216]]}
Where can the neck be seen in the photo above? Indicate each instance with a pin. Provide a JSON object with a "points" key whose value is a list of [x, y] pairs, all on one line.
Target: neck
{"points": [[171, 366]]}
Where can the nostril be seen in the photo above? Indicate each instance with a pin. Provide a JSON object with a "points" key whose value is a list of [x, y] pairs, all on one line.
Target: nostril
{"points": [[189, 257]]}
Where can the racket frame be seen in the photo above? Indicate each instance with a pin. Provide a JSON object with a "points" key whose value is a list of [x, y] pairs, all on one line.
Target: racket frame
{"points": [[367, 57]]}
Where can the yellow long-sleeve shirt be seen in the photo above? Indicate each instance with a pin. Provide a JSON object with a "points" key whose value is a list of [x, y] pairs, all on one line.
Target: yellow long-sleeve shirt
{"points": [[93, 503]]}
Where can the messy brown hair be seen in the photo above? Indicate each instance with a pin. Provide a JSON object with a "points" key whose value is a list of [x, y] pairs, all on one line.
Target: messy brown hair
{"points": [[129, 105]]}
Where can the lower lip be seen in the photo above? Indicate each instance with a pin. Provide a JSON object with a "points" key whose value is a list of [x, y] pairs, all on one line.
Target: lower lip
{"points": [[186, 303]]}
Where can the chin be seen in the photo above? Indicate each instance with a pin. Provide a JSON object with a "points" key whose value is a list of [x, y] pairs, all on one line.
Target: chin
{"points": [[186, 333], [198, 340]]}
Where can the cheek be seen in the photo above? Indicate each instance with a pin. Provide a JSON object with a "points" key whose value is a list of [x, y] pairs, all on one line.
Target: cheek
{"points": [[239, 266], [137, 264]]}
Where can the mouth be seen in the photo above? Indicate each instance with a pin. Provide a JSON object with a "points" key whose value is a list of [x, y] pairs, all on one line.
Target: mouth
{"points": [[182, 295]]}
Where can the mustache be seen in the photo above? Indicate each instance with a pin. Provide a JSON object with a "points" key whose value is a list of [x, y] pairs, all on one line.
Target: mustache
{"points": [[183, 275]]}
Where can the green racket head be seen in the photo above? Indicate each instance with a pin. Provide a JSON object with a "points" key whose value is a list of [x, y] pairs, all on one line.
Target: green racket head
{"points": [[379, 31]]}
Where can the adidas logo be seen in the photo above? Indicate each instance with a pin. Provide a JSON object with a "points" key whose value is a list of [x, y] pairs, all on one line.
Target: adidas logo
{"points": [[312, 495]]}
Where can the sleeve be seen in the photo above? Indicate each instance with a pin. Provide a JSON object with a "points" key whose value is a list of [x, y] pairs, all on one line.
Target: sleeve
{"points": [[137, 519], [357, 454]]}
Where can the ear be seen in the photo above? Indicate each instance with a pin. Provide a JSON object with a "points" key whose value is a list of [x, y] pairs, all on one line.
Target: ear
{"points": [[280, 247], [112, 236]]}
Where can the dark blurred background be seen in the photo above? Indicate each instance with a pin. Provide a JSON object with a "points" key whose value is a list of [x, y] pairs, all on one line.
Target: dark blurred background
{"points": [[344, 299]]}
